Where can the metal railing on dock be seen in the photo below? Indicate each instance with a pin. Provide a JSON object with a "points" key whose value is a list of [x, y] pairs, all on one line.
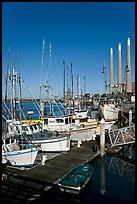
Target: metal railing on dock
{"points": [[122, 136]]}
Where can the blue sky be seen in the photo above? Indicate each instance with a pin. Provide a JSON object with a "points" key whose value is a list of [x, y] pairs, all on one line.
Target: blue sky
{"points": [[80, 33]]}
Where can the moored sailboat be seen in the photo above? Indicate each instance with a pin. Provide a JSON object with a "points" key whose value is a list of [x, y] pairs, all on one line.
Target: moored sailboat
{"points": [[18, 154]]}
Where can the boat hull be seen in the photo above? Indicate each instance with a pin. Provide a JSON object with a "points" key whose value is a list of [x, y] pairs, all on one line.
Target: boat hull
{"points": [[24, 157], [55, 144], [110, 112], [82, 134]]}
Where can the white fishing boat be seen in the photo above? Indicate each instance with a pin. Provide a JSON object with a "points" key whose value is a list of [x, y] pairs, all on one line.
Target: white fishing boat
{"points": [[79, 131], [33, 133], [14, 152], [18, 154], [49, 142]]}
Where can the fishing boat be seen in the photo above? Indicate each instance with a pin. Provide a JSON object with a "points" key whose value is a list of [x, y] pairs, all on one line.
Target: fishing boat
{"points": [[51, 143], [77, 179], [48, 141], [12, 150], [30, 132], [16, 153], [61, 124]]}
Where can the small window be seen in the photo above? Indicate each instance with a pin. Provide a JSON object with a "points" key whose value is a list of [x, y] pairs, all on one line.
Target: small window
{"points": [[35, 127], [46, 121], [59, 120], [24, 128], [66, 121], [7, 141]]}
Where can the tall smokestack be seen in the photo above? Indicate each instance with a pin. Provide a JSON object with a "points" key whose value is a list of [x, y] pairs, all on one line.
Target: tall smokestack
{"points": [[111, 72], [119, 69], [128, 69]]}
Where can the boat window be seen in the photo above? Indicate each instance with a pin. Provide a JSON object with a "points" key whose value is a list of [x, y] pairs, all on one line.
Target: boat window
{"points": [[52, 121], [7, 141], [59, 120], [83, 120], [11, 129], [73, 120], [66, 121], [24, 128], [46, 121], [31, 127], [35, 127], [17, 129], [12, 140]]}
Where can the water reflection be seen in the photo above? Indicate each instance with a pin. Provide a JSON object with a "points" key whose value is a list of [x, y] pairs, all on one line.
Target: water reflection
{"points": [[102, 176], [122, 168]]}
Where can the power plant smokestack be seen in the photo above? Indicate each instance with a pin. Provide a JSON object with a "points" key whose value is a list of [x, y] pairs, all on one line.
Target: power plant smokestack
{"points": [[128, 69], [111, 72], [119, 69]]}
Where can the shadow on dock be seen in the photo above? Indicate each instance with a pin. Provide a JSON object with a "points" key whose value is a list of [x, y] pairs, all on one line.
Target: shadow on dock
{"points": [[31, 185]]}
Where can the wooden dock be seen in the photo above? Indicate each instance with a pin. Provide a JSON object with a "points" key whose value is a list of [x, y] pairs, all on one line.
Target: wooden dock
{"points": [[42, 177], [62, 164]]}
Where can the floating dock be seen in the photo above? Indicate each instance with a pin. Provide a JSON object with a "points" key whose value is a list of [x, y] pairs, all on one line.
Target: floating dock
{"points": [[41, 178]]}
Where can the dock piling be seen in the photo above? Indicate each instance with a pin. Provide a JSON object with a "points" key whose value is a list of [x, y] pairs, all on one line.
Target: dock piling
{"points": [[102, 137], [130, 118], [44, 159]]}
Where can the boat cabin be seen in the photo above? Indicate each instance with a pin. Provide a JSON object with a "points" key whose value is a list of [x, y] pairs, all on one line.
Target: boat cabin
{"points": [[18, 128]]}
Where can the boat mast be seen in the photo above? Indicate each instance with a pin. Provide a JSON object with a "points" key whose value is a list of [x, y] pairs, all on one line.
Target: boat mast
{"points": [[64, 80], [20, 90], [7, 75], [42, 66], [13, 92], [72, 79], [78, 91], [104, 71], [50, 64]]}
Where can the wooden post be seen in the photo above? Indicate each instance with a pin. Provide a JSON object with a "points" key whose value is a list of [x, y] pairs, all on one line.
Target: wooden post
{"points": [[102, 137], [130, 118]]}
